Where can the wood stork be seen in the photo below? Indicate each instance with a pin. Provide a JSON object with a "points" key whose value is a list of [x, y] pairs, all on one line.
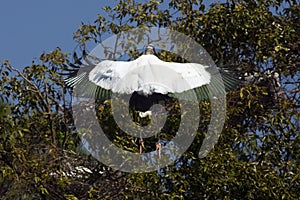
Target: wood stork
{"points": [[149, 80], [131, 78]]}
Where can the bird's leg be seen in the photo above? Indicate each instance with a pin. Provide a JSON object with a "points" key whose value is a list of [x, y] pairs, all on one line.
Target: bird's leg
{"points": [[158, 148], [142, 146]]}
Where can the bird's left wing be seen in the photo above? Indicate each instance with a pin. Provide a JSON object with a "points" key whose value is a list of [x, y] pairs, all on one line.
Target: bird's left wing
{"points": [[201, 81]]}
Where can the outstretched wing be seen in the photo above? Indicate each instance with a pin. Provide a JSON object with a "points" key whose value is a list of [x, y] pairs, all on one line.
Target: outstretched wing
{"points": [[79, 81], [147, 75], [219, 84]]}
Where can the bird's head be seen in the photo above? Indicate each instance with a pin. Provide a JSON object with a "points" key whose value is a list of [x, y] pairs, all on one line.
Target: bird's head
{"points": [[150, 50]]}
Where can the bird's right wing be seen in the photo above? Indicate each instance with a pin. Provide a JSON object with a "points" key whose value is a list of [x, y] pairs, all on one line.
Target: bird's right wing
{"points": [[97, 81]]}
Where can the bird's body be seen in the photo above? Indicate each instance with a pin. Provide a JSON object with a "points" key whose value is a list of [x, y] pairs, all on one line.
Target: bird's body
{"points": [[148, 80]]}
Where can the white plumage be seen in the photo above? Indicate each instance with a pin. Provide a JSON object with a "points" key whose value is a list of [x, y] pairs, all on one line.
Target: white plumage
{"points": [[145, 114], [148, 74]]}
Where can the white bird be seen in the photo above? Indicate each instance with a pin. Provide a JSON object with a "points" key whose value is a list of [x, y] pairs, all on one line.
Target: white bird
{"points": [[148, 76]]}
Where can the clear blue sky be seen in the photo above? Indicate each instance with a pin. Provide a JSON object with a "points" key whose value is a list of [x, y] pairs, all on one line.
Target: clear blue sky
{"points": [[30, 27]]}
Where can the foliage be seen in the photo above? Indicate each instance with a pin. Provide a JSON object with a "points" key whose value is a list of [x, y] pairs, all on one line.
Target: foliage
{"points": [[256, 157]]}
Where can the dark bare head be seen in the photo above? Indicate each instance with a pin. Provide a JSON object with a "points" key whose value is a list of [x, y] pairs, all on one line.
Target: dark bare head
{"points": [[150, 50]]}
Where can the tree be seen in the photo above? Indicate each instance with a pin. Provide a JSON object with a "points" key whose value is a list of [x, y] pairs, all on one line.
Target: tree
{"points": [[256, 157], [259, 139], [39, 157]]}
